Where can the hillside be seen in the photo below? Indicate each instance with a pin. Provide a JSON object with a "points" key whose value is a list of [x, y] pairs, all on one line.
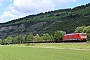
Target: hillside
{"points": [[48, 22]]}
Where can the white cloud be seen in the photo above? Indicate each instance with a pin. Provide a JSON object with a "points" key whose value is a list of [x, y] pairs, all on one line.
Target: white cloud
{"points": [[21, 8], [33, 6]]}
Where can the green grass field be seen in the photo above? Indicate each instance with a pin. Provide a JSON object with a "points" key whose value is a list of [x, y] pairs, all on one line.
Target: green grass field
{"points": [[53, 51]]}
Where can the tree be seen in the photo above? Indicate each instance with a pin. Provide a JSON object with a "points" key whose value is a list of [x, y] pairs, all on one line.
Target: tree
{"points": [[16, 39], [21, 38], [29, 38], [47, 37], [1, 41], [84, 29], [37, 38], [79, 29], [9, 40], [58, 35], [52, 38], [88, 32]]}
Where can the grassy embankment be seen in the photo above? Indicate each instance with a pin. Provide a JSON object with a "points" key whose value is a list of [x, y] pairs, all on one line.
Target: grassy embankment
{"points": [[63, 51]]}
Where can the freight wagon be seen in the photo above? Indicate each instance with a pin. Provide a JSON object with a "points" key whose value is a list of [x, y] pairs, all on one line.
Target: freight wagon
{"points": [[75, 37]]}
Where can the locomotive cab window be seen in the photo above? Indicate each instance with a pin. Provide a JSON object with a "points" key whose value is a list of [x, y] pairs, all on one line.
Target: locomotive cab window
{"points": [[83, 34]]}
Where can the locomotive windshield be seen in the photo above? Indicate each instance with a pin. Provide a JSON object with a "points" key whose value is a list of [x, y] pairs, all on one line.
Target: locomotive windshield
{"points": [[83, 34]]}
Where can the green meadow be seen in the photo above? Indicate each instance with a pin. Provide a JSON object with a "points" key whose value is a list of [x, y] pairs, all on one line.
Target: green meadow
{"points": [[46, 51]]}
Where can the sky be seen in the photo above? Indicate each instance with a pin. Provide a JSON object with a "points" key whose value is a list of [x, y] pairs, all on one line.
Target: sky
{"points": [[14, 9]]}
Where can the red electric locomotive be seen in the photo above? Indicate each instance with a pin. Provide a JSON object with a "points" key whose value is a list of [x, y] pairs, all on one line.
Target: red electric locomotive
{"points": [[75, 37]]}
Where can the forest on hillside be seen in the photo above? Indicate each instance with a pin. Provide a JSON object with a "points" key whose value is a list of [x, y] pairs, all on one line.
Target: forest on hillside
{"points": [[45, 38]]}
